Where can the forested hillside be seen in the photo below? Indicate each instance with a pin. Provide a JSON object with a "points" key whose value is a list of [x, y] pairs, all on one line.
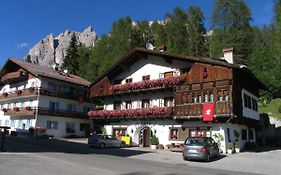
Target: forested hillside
{"points": [[183, 32]]}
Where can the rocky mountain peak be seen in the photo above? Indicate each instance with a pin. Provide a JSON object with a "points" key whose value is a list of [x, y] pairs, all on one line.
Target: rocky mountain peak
{"points": [[51, 50]]}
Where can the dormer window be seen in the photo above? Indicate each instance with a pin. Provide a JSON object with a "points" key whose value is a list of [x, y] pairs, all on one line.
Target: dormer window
{"points": [[129, 80], [146, 77]]}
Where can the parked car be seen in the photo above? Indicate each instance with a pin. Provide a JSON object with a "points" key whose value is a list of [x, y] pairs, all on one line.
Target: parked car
{"points": [[200, 148], [102, 141]]}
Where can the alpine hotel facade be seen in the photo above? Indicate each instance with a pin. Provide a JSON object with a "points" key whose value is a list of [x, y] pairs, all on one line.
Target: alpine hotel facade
{"points": [[173, 96], [34, 96]]}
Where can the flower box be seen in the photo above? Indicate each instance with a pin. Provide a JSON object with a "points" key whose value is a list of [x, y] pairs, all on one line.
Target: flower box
{"points": [[18, 92], [31, 89], [171, 81], [4, 109], [28, 108], [155, 111], [16, 109]]}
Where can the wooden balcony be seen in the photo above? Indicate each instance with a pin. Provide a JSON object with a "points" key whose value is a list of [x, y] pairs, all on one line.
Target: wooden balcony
{"points": [[14, 77], [62, 113], [195, 110], [20, 112], [66, 95], [19, 93]]}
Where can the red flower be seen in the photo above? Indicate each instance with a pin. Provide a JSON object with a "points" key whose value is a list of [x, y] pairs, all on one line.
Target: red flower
{"points": [[28, 108], [4, 109], [16, 109], [18, 92]]}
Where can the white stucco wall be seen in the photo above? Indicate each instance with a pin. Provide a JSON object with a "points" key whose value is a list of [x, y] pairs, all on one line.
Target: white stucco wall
{"points": [[249, 113], [61, 130]]}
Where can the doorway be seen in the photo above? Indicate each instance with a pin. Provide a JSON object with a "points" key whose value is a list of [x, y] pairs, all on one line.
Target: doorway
{"points": [[144, 137]]}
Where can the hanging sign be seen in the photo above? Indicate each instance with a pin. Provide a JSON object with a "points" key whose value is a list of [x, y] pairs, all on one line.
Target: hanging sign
{"points": [[208, 112]]}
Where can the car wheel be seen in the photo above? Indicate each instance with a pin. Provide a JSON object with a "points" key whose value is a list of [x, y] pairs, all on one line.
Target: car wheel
{"points": [[122, 145], [102, 145]]}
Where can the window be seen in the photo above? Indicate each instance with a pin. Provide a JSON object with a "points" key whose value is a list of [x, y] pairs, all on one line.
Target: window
{"points": [[70, 125], [251, 134], [168, 74], [118, 132], [161, 103], [52, 105], [225, 95], [117, 105], [129, 80], [206, 97], [146, 77], [174, 134], [52, 124], [244, 134], [168, 102], [254, 104], [145, 103], [128, 105], [12, 123], [194, 98]]}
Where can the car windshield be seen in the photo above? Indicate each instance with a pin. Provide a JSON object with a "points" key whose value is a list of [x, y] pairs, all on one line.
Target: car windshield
{"points": [[194, 142]]}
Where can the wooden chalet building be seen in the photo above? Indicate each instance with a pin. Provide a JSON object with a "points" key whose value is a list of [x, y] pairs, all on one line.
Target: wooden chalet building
{"points": [[174, 97], [34, 96]]}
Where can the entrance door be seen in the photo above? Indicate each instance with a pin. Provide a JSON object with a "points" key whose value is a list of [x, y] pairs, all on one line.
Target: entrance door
{"points": [[145, 137]]}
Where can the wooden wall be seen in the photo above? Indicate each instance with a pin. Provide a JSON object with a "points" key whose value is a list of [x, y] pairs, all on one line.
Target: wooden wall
{"points": [[101, 88]]}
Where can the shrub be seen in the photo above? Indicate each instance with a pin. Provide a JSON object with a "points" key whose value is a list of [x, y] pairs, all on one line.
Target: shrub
{"points": [[154, 140], [230, 146], [237, 144]]}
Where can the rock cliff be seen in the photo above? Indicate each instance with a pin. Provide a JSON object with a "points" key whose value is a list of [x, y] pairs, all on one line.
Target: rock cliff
{"points": [[52, 50]]}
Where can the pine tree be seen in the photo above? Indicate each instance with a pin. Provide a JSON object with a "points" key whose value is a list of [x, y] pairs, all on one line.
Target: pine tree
{"points": [[176, 28], [231, 28], [196, 32], [70, 61]]}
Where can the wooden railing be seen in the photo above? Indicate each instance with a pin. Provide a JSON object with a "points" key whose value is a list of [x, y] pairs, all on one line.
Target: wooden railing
{"points": [[20, 112], [14, 77], [221, 108], [62, 113], [66, 95], [19, 93]]}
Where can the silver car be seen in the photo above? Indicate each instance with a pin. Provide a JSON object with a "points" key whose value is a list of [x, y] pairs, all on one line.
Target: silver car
{"points": [[200, 148], [102, 141]]}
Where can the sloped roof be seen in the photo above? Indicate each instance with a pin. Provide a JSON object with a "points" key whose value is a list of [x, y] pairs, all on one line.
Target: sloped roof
{"points": [[38, 70], [142, 51]]}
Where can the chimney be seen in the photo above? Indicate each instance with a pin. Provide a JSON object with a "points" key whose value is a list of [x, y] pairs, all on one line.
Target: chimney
{"points": [[228, 55]]}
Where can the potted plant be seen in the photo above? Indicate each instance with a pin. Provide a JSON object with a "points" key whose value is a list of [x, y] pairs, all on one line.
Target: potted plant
{"points": [[229, 148], [153, 142], [237, 146], [28, 108]]}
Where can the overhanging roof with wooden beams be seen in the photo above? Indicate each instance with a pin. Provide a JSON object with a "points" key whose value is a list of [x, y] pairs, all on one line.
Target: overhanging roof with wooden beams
{"points": [[13, 64], [137, 53]]}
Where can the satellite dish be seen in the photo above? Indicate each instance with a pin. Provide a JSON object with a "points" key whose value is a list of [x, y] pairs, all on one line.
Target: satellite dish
{"points": [[149, 46]]}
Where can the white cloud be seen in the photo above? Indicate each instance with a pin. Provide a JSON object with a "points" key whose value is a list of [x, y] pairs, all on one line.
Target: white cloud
{"points": [[22, 45]]}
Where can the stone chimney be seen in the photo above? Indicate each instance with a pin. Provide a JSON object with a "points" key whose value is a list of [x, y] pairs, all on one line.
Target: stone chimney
{"points": [[228, 55]]}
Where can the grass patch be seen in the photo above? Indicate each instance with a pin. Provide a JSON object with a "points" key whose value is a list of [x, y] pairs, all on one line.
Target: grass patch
{"points": [[272, 107]]}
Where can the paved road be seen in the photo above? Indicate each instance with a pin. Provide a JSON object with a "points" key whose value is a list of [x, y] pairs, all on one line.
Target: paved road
{"points": [[33, 157]]}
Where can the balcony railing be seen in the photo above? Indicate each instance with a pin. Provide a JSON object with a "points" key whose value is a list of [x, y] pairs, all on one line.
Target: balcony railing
{"points": [[66, 95], [62, 113], [20, 111], [221, 109], [147, 84], [14, 77], [131, 113], [19, 93]]}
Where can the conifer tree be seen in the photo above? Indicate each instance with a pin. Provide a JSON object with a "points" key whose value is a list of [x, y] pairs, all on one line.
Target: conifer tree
{"points": [[70, 61]]}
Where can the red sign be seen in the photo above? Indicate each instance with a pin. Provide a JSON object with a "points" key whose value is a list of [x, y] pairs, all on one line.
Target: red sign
{"points": [[208, 112]]}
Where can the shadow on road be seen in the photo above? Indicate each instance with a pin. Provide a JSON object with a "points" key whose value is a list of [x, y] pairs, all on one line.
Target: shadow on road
{"points": [[30, 145]]}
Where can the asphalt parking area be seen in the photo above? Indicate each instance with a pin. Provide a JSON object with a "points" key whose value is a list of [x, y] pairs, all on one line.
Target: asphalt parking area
{"points": [[263, 162]]}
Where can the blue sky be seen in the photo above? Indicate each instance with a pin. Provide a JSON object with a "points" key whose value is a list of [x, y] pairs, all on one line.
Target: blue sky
{"points": [[23, 23]]}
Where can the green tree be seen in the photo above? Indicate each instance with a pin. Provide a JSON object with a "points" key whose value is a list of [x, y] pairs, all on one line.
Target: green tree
{"points": [[70, 61], [176, 28], [196, 32], [159, 34], [231, 28]]}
